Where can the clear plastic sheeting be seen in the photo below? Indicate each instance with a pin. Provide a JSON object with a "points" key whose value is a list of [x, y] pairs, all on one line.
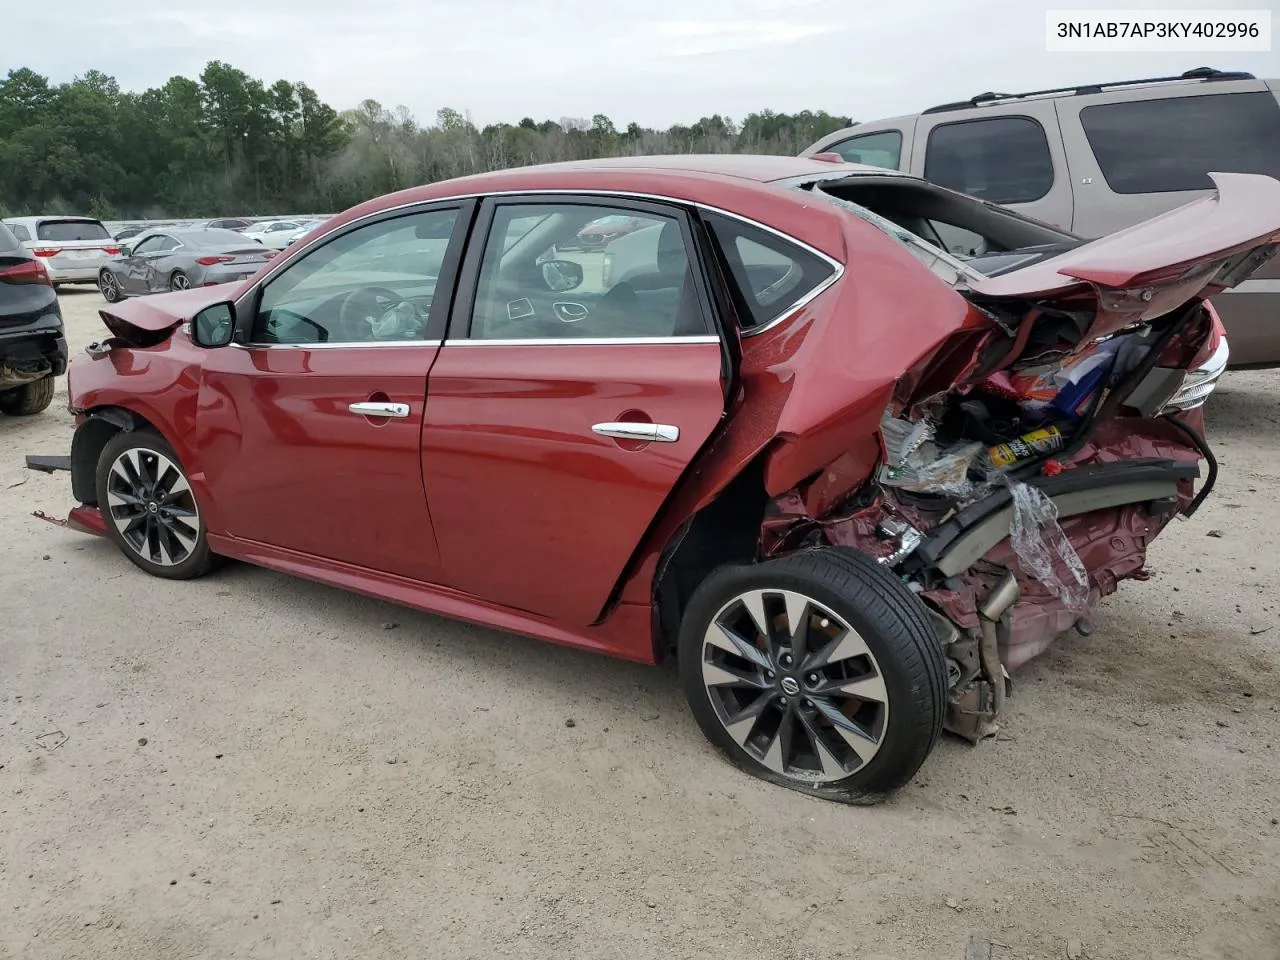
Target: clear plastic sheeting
{"points": [[1044, 549], [914, 462]]}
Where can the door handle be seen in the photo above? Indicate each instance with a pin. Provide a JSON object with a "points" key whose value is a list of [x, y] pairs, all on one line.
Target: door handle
{"points": [[373, 408], [649, 432]]}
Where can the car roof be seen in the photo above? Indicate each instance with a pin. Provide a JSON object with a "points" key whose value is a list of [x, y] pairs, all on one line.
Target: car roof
{"points": [[757, 187]]}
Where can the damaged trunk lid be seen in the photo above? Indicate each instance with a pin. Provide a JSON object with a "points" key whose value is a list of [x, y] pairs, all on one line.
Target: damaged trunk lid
{"points": [[1152, 268]]}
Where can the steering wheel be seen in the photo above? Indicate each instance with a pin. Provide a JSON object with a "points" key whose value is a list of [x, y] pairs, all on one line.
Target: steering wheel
{"points": [[362, 308]]}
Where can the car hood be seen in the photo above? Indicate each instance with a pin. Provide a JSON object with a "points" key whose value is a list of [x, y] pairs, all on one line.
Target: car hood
{"points": [[146, 321], [1151, 268]]}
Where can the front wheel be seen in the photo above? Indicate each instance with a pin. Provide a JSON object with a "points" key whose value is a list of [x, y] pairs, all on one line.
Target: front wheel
{"points": [[818, 671], [149, 507], [28, 399], [109, 287]]}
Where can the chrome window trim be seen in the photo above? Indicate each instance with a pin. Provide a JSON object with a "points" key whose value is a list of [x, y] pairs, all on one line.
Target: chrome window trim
{"points": [[786, 314], [581, 341], [333, 346]]}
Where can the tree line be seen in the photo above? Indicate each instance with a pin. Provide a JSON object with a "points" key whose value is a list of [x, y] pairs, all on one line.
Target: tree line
{"points": [[227, 144]]}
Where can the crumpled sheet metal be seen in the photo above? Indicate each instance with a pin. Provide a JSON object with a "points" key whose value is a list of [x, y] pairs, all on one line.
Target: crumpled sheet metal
{"points": [[1109, 546]]}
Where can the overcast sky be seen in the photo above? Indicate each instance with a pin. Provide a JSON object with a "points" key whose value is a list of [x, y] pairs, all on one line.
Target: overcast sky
{"points": [[658, 62]]}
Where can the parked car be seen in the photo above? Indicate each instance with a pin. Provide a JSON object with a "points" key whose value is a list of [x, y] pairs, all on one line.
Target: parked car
{"points": [[1096, 158], [304, 228], [131, 231], [161, 260], [71, 248], [237, 224], [845, 478], [273, 233], [33, 347]]}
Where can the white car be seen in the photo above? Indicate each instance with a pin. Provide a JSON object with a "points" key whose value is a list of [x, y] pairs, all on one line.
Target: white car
{"points": [[304, 228], [72, 249], [273, 233]]}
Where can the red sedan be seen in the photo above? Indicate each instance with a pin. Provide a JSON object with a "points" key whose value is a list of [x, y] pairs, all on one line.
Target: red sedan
{"points": [[846, 478]]}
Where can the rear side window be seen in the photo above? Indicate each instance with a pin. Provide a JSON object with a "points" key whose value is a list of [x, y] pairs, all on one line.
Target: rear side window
{"points": [[883, 149], [1170, 144], [65, 231], [21, 232], [770, 274], [1001, 159]]}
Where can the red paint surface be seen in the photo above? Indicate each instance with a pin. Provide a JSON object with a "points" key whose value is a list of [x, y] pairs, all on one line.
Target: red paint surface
{"points": [[531, 508], [290, 465]]}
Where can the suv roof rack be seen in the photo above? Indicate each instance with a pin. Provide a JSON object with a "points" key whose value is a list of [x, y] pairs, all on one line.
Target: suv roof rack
{"points": [[1199, 73]]}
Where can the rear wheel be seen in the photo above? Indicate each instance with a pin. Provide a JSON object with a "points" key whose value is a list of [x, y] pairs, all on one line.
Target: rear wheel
{"points": [[149, 507], [179, 281], [818, 671], [29, 398], [109, 287]]}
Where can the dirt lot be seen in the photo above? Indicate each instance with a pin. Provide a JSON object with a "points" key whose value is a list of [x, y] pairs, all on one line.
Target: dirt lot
{"points": [[255, 766]]}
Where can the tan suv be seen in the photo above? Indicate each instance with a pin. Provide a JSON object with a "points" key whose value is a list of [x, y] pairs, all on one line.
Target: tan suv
{"points": [[1096, 158]]}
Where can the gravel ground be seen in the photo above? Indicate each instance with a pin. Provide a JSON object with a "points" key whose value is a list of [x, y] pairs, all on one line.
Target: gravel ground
{"points": [[255, 766]]}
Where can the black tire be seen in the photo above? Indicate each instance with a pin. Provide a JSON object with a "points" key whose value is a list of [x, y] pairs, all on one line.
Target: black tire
{"points": [[28, 399], [178, 281], [109, 287], [148, 546], [904, 654]]}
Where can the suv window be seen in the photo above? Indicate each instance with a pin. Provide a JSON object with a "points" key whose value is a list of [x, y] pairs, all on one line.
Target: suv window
{"points": [[1159, 146], [883, 149], [19, 231], [374, 284], [1001, 159], [65, 231], [532, 287], [770, 274]]}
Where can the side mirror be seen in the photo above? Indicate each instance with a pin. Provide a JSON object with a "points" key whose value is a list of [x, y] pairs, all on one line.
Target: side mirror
{"points": [[213, 326], [126, 250], [561, 275]]}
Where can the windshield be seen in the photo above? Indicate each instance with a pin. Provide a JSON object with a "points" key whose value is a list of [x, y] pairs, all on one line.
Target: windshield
{"points": [[65, 231]]}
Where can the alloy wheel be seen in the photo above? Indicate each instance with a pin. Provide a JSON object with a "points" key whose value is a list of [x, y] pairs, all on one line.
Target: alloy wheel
{"points": [[152, 506], [795, 686], [108, 287], [179, 281]]}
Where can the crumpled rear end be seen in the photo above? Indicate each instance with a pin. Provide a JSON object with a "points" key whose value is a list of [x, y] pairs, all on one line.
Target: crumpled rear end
{"points": [[1021, 479]]}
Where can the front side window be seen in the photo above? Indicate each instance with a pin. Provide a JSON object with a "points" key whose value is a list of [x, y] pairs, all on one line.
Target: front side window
{"points": [[883, 149], [539, 281], [769, 274], [373, 284], [1174, 143], [1001, 159]]}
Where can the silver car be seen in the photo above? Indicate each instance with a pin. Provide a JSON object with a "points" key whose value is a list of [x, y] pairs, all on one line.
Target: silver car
{"points": [[161, 260], [72, 249]]}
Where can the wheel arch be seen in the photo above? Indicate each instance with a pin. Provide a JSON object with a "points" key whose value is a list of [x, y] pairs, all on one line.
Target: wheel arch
{"points": [[97, 429], [724, 530]]}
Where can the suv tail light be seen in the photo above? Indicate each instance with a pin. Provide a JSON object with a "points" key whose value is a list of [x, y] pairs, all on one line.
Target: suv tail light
{"points": [[210, 261], [112, 251], [47, 251], [29, 271]]}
